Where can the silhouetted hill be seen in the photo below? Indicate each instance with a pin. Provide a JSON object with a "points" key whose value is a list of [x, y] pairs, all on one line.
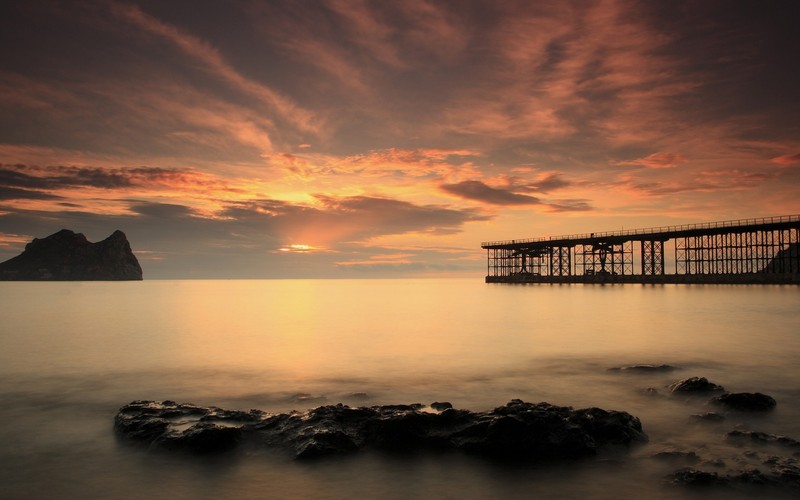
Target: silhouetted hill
{"points": [[786, 261], [69, 256]]}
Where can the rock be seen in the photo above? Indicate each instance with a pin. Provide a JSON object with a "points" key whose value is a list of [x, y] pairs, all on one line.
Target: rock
{"points": [[783, 477], [695, 385], [644, 368], [325, 443], [746, 401], [69, 256], [785, 470], [516, 431], [441, 406], [763, 437], [693, 477], [203, 437]]}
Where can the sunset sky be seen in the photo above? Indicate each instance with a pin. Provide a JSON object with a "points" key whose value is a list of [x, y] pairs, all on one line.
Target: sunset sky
{"points": [[339, 138]]}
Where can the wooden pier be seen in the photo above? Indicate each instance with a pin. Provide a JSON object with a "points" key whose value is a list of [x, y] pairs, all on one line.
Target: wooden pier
{"points": [[759, 251]]}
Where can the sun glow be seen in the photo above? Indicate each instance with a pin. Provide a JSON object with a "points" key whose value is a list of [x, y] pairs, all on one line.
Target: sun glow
{"points": [[300, 248]]}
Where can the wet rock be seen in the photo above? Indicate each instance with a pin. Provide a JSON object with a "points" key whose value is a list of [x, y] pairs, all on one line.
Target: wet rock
{"points": [[764, 438], [644, 368], [746, 401], [695, 385], [785, 470], [693, 477], [441, 406], [783, 476], [516, 431], [203, 437], [158, 424], [324, 443], [750, 476]]}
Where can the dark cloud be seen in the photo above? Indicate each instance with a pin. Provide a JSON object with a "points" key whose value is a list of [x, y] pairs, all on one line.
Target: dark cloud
{"points": [[12, 193], [55, 177], [477, 190], [550, 183], [389, 216], [545, 184], [570, 206], [162, 210]]}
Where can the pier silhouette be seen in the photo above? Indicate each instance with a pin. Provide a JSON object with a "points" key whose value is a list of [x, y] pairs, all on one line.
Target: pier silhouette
{"points": [[764, 250]]}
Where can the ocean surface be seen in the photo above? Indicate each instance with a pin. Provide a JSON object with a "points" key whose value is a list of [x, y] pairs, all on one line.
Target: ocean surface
{"points": [[72, 353]]}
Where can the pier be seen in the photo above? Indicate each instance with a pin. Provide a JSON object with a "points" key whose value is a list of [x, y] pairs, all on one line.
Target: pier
{"points": [[757, 251]]}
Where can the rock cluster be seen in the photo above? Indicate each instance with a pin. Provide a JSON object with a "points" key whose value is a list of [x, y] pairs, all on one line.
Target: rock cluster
{"points": [[516, 431], [765, 463], [695, 385], [69, 256], [756, 462]]}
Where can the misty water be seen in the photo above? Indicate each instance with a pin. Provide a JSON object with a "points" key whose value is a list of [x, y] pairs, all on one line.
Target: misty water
{"points": [[72, 353]]}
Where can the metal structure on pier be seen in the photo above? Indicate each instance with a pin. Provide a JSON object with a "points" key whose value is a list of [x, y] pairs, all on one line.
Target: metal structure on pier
{"points": [[764, 250]]}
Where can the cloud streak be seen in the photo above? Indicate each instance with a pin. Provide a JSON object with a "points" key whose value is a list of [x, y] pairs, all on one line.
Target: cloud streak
{"points": [[477, 190], [215, 62]]}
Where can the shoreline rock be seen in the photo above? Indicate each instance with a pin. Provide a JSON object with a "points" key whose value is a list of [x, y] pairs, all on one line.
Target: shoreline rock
{"points": [[695, 385], [746, 401], [517, 431]]}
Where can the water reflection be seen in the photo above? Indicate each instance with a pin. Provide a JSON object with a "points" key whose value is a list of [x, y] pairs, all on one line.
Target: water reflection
{"points": [[71, 354]]}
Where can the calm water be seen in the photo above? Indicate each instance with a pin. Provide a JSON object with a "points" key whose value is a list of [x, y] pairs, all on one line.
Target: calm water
{"points": [[72, 353]]}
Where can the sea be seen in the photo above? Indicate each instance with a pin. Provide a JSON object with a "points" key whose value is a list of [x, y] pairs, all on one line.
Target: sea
{"points": [[73, 353]]}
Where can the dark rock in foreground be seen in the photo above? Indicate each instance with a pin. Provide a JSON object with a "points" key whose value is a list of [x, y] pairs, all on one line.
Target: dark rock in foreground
{"points": [[695, 385], [764, 438], [69, 256], [746, 401], [516, 431], [694, 477], [782, 475]]}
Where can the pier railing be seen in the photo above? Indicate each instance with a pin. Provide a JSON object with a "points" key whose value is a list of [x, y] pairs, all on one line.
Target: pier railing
{"points": [[654, 230], [754, 250]]}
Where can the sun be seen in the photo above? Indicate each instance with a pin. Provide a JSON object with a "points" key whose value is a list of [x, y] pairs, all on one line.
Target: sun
{"points": [[300, 248]]}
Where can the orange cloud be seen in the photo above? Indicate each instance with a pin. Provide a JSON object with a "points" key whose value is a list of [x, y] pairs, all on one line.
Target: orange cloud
{"points": [[707, 181], [393, 162], [656, 160], [787, 160], [380, 260]]}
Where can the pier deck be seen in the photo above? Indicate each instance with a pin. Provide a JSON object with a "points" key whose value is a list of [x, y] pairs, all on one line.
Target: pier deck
{"points": [[764, 250]]}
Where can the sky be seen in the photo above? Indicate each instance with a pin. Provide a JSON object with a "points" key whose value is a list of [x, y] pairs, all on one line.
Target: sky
{"points": [[356, 138]]}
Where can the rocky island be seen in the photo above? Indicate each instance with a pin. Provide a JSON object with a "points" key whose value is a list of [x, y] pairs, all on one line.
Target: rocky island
{"points": [[69, 256]]}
